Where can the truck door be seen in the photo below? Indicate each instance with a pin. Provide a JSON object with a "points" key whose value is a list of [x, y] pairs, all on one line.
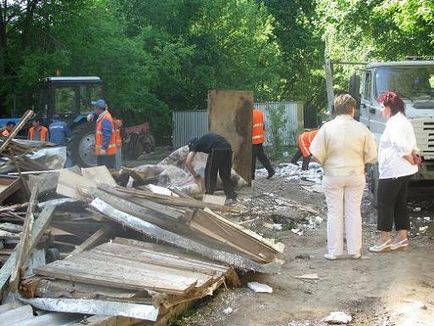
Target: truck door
{"points": [[367, 108]]}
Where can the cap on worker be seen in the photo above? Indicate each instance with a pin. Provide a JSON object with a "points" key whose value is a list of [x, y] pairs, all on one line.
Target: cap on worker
{"points": [[191, 142], [100, 104]]}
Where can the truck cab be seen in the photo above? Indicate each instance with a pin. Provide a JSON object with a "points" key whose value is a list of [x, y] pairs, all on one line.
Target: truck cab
{"points": [[414, 82]]}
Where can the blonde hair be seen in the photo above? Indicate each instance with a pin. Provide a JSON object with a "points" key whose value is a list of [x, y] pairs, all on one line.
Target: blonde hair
{"points": [[344, 104]]}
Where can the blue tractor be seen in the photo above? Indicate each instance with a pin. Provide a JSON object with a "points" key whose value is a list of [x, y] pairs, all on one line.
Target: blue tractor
{"points": [[70, 99]]}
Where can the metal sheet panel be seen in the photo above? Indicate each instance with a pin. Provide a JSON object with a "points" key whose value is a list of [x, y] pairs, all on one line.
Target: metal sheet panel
{"points": [[188, 124]]}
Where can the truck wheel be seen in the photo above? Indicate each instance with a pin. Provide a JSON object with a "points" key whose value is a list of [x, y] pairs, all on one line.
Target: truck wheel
{"points": [[82, 145]]}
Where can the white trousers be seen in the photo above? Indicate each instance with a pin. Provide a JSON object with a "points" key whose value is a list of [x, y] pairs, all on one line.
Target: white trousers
{"points": [[344, 197]]}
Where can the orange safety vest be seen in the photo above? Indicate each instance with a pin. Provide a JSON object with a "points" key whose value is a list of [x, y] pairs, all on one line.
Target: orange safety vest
{"points": [[42, 133], [118, 126], [111, 149], [258, 136], [304, 141], [5, 133]]}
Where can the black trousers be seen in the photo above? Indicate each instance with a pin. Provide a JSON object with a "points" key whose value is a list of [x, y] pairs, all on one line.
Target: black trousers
{"points": [[108, 160], [219, 161], [306, 160], [392, 204], [258, 153]]}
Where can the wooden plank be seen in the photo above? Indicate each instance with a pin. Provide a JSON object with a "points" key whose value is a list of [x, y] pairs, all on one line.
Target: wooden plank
{"points": [[230, 115], [99, 174], [278, 247], [101, 320], [171, 251], [155, 232], [70, 181], [160, 258], [118, 273], [174, 201], [93, 240], [24, 244], [12, 186], [39, 227], [144, 202], [26, 117], [64, 289]]}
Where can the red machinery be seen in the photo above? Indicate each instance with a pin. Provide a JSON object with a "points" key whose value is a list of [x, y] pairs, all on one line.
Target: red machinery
{"points": [[136, 140]]}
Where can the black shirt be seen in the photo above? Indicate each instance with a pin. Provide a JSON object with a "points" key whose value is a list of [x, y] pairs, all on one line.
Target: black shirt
{"points": [[210, 142]]}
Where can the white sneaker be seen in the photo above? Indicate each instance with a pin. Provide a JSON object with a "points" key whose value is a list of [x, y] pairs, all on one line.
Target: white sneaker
{"points": [[330, 257]]}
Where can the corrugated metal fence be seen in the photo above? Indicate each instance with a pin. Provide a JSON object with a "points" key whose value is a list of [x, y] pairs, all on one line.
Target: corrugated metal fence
{"points": [[188, 124]]}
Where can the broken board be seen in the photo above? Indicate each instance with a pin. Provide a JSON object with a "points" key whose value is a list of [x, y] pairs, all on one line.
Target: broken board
{"points": [[230, 115]]}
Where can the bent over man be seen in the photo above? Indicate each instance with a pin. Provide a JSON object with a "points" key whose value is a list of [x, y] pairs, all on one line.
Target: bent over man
{"points": [[304, 141], [219, 152]]}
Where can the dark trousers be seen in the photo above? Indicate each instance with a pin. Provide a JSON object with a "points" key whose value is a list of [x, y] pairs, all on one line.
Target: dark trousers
{"points": [[306, 160], [392, 204], [219, 161], [108, 160], [258, 153]]}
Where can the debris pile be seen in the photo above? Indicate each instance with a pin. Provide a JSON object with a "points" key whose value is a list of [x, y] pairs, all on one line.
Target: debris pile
{"points": [[80, 246]]}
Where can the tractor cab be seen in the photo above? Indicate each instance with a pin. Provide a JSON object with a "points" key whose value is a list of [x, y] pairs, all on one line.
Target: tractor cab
{"points": [[70, 98]]}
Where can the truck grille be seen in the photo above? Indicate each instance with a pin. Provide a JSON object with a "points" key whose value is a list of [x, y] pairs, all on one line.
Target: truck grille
{"points": [[424, 131]]}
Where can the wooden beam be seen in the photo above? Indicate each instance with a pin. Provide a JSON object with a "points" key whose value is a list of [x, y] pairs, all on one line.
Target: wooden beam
{"points": [[160, 234], [41, 224], [24, 244], [93, 240]]}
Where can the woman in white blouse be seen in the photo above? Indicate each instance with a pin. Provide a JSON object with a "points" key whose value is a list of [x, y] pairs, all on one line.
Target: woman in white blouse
{"points": [[396, 163]]}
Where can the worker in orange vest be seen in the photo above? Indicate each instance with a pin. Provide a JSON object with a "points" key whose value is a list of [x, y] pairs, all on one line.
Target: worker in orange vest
{"points": [[10, 125], [105, 136], [304, 141], [118, 128], [258, 138], [38, 131]]}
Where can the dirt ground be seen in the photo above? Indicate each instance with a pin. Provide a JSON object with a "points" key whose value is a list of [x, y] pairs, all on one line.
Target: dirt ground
{"points": [[379, 289]]}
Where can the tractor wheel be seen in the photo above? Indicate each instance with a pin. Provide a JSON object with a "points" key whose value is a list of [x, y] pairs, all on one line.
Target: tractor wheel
{"points": [[82, 145]]}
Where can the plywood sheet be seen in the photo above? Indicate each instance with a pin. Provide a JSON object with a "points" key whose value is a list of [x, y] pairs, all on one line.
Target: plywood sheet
{"points": [[230, 115]]}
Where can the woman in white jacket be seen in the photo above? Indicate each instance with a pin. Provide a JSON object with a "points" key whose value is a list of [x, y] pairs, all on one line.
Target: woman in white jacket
{"points": [[397, 162]]}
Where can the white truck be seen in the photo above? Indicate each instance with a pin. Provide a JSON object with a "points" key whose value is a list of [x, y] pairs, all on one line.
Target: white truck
{"points": [[414, 81]]}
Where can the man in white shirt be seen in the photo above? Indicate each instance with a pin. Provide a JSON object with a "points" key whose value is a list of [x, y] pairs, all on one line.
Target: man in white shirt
{"points": [[343, 146]]}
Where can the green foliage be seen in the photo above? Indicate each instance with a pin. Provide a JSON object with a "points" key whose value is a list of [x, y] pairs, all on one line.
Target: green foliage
{"points": [[156, 56], [364, 31], [276, 136]]}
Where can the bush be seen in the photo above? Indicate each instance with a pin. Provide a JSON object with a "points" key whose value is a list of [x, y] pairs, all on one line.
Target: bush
{"points": [[277, 126]]}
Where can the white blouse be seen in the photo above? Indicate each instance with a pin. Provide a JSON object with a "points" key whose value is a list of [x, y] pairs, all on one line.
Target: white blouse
{"points": [[397, 140]]}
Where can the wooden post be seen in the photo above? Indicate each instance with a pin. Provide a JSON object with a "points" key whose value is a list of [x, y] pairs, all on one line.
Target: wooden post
{"points": [[24, 244]]}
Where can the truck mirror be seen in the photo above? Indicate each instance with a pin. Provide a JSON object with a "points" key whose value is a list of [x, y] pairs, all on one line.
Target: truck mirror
{"points": [[354, 87]]}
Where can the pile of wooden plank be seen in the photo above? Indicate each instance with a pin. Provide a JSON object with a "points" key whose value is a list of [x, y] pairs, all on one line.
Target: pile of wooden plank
{"points": [[124, 254]]}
